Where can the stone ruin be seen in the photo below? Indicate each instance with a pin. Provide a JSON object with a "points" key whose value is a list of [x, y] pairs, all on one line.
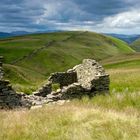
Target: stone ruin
{"points": [[88, 78], [9, 99]]}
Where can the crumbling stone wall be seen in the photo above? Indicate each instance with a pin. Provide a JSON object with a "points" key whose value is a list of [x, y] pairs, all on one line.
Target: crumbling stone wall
{"points": [[1, 70], [92, 76], [9, 99], [63, 78], [86, 78], [44, 90]]}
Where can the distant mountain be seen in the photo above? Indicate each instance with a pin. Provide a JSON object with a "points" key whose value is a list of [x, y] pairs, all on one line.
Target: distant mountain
{"points": [[127, 38], [16, 33], [19, 33], [4, 35], [136, 45]]}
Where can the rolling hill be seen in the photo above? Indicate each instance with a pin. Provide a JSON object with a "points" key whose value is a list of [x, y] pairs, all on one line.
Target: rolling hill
{"points": [[127, 38], [136, 45], [30, 59]]}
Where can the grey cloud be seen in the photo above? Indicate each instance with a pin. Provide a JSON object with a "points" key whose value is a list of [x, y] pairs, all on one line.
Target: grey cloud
{"points": [[54, 14]]}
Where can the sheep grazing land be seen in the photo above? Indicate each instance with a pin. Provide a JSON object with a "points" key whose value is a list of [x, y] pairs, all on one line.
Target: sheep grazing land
{"points": [[113, 116]]}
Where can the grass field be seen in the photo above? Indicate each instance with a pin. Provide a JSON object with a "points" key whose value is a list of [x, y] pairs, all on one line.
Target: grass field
{"points": [[69, 49], [136, 45], [115, 116]]}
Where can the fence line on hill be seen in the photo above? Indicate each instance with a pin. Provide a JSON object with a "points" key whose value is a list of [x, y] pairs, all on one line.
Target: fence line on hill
{"points": [[36, 51]]}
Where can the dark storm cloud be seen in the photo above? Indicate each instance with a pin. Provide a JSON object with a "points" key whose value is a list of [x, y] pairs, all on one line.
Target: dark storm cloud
{"points": [[62, 14], [102, 8]]}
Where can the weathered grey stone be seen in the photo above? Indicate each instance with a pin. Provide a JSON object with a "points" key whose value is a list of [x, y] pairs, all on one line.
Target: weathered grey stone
{"points": [[63, 78], [87, 78], [1, 69], [74, 90], [92, 76], [9, 99], [44, 90]]}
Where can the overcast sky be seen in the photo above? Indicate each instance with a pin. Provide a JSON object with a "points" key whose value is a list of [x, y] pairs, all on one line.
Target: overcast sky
{"points": [[115, 16]]}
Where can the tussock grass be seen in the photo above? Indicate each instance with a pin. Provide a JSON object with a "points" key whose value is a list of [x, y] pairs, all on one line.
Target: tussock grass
{"points": [[78, 120]]}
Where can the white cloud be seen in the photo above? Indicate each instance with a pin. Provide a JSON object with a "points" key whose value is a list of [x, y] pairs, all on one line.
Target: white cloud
{"points": [[128, 19]]}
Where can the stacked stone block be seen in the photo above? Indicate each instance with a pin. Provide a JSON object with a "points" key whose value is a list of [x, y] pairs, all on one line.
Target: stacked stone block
{"points": [[92, 76], [44, 90], [1, 69], [63, 78], [9, 99]]}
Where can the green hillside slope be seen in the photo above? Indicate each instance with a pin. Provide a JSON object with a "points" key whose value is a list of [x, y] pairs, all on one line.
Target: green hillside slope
{"points": [[124, 72], [32, 58], [136, 45]]}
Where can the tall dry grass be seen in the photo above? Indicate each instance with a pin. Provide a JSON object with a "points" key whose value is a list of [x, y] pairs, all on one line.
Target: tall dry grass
{"points": [[72, 121]]}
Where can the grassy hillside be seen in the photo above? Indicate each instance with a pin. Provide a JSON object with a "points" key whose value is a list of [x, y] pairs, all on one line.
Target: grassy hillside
{"points": [[68, 43], [111, 117], [136, 45], [124, 72], [38, 55], [105, 117]]}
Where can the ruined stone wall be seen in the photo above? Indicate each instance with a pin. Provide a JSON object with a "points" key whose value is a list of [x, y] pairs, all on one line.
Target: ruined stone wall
{"points": [[9, 99], [86, 78], [44, 90], [1, 69], [63, 78], [92, 76]]}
